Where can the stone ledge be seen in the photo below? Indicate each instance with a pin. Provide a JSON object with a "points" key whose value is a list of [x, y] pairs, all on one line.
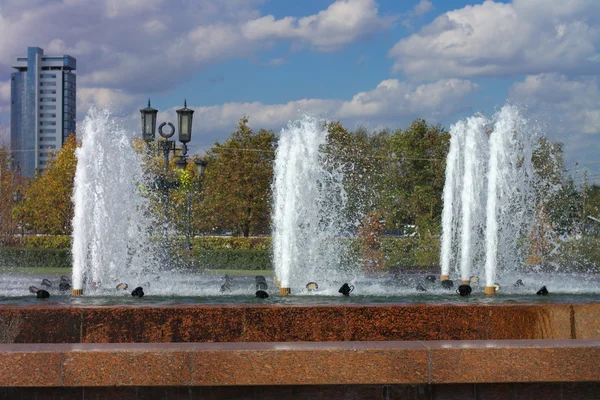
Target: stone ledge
{"points": [[291, 323], [307, 363]]}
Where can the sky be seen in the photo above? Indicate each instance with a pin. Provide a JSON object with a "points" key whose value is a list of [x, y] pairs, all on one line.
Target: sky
{"points": [[364, 62]]}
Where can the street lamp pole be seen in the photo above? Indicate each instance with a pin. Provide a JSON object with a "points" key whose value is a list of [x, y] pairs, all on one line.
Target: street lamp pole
{"points": [[184, 119]]}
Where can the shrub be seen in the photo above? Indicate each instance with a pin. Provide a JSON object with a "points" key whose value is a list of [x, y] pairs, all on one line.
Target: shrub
{"points": [[32, 257]]}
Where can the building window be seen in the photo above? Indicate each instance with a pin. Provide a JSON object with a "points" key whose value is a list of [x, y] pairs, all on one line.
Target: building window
{"points": [[46, 123], [47, 115], [48, 146], [48, 84], [47, 130], [48, 99], [47, 139], [48, 76], [47, 91]]}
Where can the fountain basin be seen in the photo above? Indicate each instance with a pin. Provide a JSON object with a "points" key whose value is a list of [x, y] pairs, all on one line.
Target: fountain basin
{"points": [[56, 323]]}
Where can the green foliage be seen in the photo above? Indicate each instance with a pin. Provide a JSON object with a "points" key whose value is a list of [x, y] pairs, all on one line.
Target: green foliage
{"points": [[236, 192], [581, 255], [35, 257], [231, 243], [235, 259], [415, 176], [46, 242]]}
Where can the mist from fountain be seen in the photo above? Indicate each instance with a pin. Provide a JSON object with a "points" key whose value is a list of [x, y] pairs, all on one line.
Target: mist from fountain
{"points": [[111, 228], [309, 199], [482, 226]]}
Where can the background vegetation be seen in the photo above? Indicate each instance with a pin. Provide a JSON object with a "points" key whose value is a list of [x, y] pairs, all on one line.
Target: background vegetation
{"points": [[394, 179]]}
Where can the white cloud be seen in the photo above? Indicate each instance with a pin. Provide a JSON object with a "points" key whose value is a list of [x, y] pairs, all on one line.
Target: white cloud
{"points": [[103, 97], [341, 23], [494, 39], [423, 7], [569, 110], [151, 45], [4, 91], [568, 105], [392, 103]]}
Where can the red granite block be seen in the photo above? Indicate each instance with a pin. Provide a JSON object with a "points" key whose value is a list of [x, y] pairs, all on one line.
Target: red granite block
{"points": [[520, 321], [126, 368], [586, 321], [30, 368], [413, 322], [511, 361], [162, 324], [292, 324], [468, 322], [334, 363], [52, 324]]}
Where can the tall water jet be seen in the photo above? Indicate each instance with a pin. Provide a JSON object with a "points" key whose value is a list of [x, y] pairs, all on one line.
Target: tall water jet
{"points": [[110, 230], [488, 198], [450, 199], [472, 199], [309, 199], [510, 197]]}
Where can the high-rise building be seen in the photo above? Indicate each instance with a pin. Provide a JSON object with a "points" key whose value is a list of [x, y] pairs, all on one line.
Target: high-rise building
{"points": [[42, 107]]}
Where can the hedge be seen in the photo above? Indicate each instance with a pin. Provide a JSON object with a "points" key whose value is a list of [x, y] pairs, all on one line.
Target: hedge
{"points": [[235, 259], [35, 258]]}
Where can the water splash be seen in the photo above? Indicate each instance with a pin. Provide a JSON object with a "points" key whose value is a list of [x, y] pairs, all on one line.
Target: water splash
{"points": [[110, 227], [495, 207], [310, 232]]}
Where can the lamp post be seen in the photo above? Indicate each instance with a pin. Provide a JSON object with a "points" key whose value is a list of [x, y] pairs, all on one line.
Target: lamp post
{"points": [[184, 123]]}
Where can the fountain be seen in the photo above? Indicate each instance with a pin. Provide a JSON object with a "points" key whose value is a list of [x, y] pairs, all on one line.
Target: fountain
{"points": [[309, 200], [496, 204], [170, 333], [111, 225]]}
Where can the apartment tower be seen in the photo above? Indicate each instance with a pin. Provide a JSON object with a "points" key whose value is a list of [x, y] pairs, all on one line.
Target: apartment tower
{"points": [[42, 108]]}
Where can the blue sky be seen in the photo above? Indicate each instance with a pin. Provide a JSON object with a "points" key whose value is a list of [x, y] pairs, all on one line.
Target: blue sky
{"points": [[365, 62]]}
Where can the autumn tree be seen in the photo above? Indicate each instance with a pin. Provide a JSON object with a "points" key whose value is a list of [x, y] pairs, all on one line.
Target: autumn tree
{"points": [[9, 187], [236, 191], [47, 207]]}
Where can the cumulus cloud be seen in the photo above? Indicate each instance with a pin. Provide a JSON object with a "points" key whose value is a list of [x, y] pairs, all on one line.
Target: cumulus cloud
{"points": [[151, 45], [495, 39], [105, 97], [423, 7], [392, 103], [341, 23], [4, 91], [569, 109]]}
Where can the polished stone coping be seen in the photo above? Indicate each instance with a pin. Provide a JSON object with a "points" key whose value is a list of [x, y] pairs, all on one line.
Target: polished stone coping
{"points": [[300, 363], [297, 323]]}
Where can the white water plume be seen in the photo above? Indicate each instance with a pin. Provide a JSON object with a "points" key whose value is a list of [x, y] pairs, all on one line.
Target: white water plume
{"points": [[110, 230], [488, 197], [310, 232]]}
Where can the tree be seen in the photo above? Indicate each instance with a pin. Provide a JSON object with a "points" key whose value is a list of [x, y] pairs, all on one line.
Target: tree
{"points": [[416, 176], [47, 207], [9, 187], [237, 182], [361, 157]]}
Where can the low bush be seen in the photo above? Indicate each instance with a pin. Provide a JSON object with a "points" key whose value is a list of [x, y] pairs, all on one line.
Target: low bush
{"points": [[234, 259], [35, 257]]}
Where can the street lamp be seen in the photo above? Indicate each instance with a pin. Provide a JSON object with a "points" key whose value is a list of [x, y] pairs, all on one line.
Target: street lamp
{"points": [[184, 119]]}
